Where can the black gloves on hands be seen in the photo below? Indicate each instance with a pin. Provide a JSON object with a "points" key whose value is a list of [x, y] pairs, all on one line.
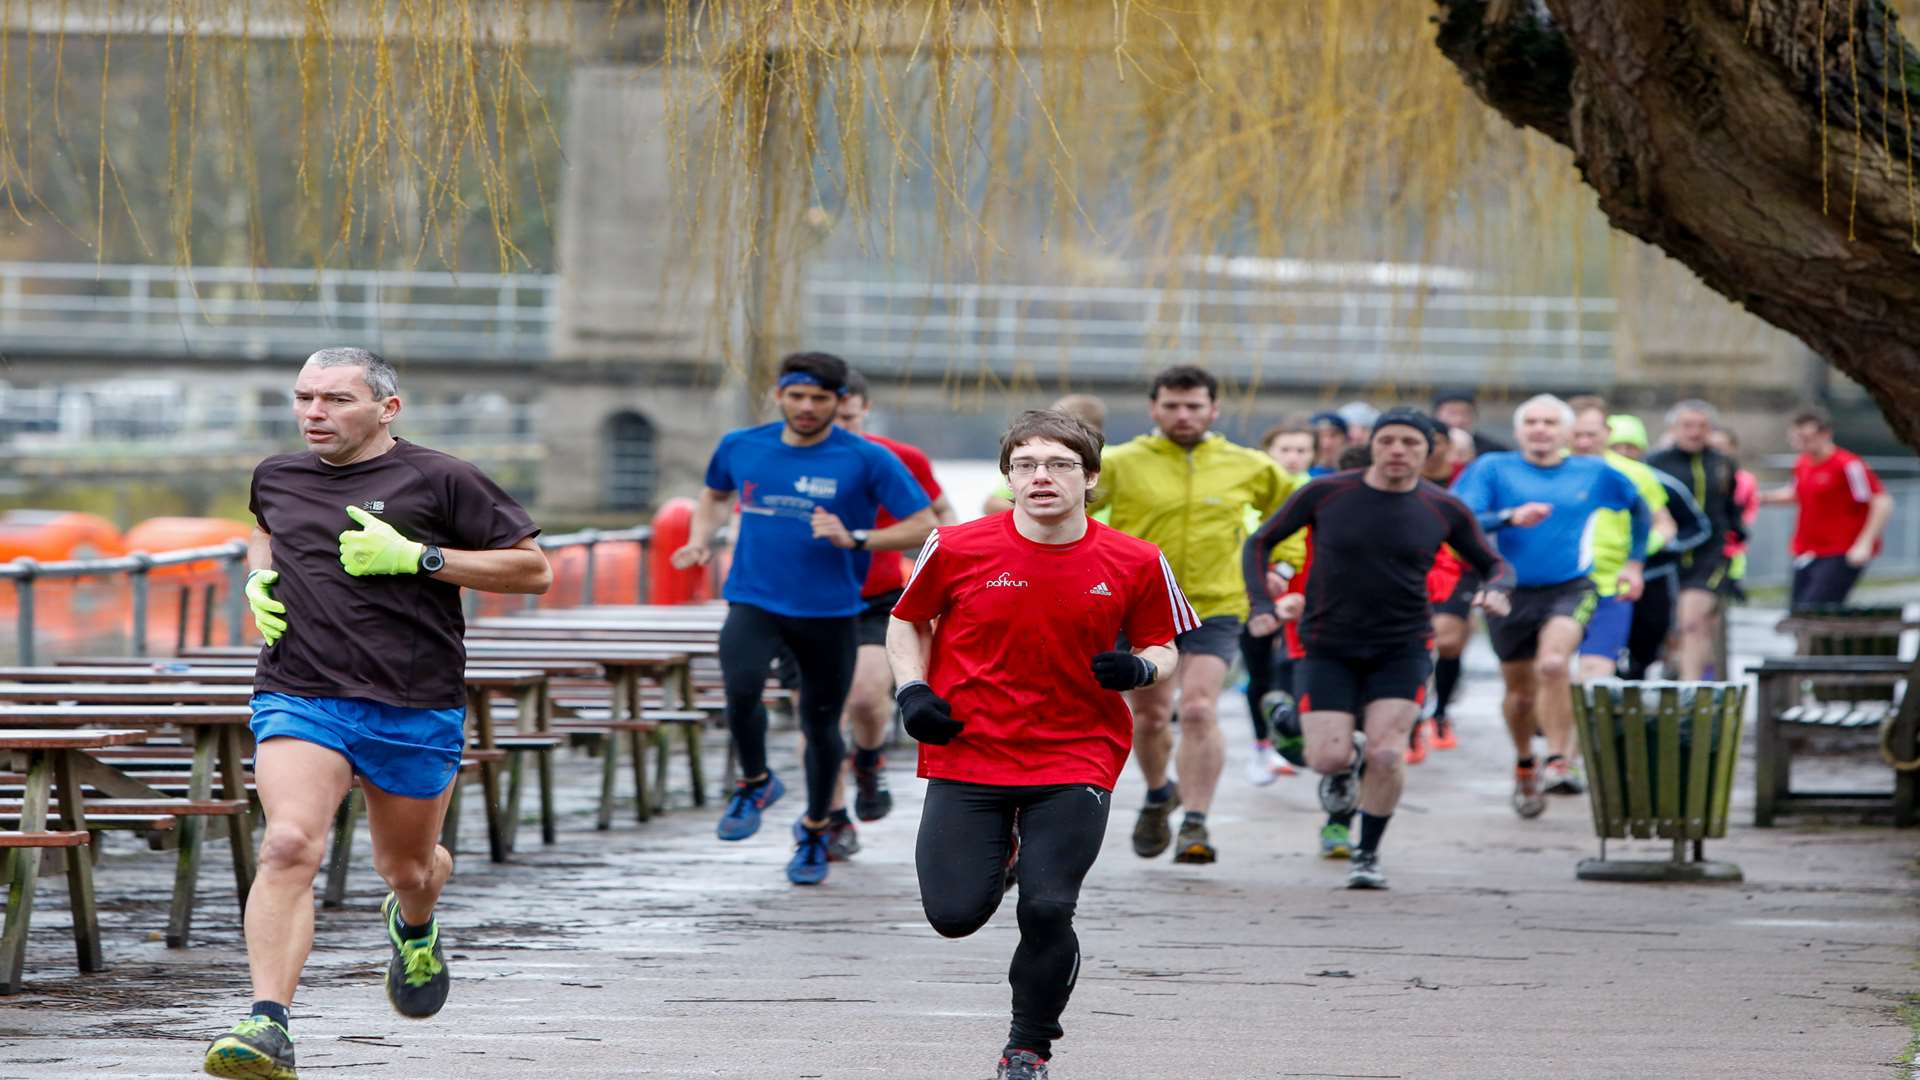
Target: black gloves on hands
{"points": [[926, 715], [1122, 671]]}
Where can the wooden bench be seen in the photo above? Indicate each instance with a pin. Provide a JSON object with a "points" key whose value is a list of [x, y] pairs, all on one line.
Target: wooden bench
{"points": [[51, 764], [1785, 722]]}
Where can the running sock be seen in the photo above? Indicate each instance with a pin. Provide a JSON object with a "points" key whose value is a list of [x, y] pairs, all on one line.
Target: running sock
{"points": [[273, 1011], [864, 758], [1561, 758], [1446, 677], [1525, 762], [1345, 820], [838, 817], [1160, 794], [1372, 827], [1193, 817], [410, 932]]}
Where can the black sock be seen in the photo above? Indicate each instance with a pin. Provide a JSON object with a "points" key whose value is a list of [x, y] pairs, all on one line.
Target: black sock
{"points": [[864, 758], [1160, 794], [1372, 826], [273, 1011], [410, 932], [1345, 821], [1551, 758], [1446, 677], [1525, 762], [1193, 817], [838, 817]]}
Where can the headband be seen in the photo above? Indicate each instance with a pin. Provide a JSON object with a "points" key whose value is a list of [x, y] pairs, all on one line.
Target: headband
{"points": [[802, 378]]}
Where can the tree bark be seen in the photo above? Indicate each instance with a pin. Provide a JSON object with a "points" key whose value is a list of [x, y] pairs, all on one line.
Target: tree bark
{"points": [[1769, 145]]}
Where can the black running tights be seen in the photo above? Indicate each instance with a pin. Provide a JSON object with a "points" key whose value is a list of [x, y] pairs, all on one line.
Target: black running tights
{"points": [[1652, 618], [965, 831], [1268, 668], [825, 650]]}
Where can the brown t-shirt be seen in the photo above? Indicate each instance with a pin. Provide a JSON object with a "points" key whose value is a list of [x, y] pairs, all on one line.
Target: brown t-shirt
{"points": [[391, 638]]}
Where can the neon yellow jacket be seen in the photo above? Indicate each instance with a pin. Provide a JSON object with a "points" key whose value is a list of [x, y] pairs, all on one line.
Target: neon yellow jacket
{"points": [[1612, 529], [1192, 504]]}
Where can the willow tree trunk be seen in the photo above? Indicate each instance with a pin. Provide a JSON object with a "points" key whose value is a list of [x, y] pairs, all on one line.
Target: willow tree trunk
{"points": [[1767, 144]]}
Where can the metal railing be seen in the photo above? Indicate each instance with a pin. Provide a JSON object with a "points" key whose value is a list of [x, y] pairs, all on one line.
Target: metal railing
{"points": [[261, 313], [1769, 561], [1357, 334], [25, 573]]}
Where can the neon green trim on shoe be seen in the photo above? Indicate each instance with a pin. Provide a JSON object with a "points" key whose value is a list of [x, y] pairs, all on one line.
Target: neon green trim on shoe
{"points": [[1336, 841], [417, 955], [236, 1056]]}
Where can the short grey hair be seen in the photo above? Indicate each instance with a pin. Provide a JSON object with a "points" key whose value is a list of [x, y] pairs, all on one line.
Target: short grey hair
{"points": [[1566, 410], [380, 376], [1693, 405]]}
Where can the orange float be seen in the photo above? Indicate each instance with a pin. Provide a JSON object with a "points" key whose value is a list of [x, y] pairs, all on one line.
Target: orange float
{"points": [[672, 524]]}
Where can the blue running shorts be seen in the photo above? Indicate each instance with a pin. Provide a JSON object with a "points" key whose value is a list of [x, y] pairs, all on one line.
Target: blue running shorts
{"points": [[1607, 628], [412, 753]]}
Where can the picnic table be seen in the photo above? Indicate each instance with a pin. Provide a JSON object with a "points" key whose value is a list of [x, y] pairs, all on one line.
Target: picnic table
{"points": [[52, 758], [1782, 718]]}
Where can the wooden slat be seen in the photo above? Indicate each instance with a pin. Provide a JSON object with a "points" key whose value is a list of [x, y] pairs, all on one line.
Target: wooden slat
{"points": [[44, 839], [33, 739], [1633, 726], [153, 822], [1732, 714], [144, 715], [1666, 795], [1609, 703], [96, 807], [1706, 724]]}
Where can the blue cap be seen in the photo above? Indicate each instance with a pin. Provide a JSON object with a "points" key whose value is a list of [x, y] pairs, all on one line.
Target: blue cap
{"points": [[1328, 418]]}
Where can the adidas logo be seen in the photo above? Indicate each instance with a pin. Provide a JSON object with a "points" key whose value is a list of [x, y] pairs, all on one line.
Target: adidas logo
{"points": [[1100, 590]]}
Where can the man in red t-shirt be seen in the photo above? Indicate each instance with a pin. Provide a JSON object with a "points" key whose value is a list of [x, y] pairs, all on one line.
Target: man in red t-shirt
{"points": [[869, 709], [1003, 648], [1843, 509]]}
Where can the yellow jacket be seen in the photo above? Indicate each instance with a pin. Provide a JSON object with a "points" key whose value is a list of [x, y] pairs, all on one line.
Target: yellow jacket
{"points": [[1192, 504]]}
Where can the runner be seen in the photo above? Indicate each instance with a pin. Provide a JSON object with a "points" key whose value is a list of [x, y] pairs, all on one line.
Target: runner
{"points": [[361, 546], [1542, 503], [1461, 409], [1746, 498], [1709, 475], [1003, 648], [1364, 614], [1329, 441], [1451, 587], [1185, 490], [809, 495], [1269, 671], [869, 712], [1653, 612], [1603, 648], [1085, 408], [1843, 510]]}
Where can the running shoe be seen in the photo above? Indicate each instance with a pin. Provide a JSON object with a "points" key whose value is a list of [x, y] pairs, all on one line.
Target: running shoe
{"points": [[1336, 841], [1021, 1065], [1283, 720], [1194, 845], [872, 799], [1364, 872], [843, 841], [1443, 734], [1260, 771], [1417, 744], [1340, 792], [417, 979], [1562, 778], [256, 1049], [742, 817], [1151, 833], [1528, 802], [809, 863]]}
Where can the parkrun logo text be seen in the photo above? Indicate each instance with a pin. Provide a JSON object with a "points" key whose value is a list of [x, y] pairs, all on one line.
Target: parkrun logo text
{"points": [[1005, 582]]}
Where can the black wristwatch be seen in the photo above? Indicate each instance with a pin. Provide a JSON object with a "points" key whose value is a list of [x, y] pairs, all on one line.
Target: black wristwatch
{"points": [[860, 539], [431, 560]]}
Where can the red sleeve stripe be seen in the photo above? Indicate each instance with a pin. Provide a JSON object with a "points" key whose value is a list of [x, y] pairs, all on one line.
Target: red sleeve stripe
{"points": [[926, 554], [1183, 617]]}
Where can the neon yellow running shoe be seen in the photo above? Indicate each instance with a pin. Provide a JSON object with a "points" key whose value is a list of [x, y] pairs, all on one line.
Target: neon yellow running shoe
{"points": [[417, 980], [256, 1049], [1336, 841]]}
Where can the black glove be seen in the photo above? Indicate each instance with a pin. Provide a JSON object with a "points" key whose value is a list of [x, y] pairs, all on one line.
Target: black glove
{"points": [[926, 715], [1122, 671]]}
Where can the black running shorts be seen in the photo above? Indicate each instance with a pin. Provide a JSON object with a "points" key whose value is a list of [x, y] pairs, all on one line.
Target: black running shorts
{"points": [[1459, 603], [1516, 635], [1348, 684], [872, 622]]}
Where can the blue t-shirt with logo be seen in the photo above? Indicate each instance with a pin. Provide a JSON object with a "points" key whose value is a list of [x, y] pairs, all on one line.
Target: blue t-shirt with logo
{"points": [[1560, 548], [777, 563]]}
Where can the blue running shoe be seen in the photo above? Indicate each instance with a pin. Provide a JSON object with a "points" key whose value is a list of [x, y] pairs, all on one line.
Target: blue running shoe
{"points": [[809, 863], [742, 818]]}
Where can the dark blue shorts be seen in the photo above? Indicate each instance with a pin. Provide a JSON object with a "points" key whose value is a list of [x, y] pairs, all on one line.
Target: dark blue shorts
{"points": [[1607, 628], [412, 753]]}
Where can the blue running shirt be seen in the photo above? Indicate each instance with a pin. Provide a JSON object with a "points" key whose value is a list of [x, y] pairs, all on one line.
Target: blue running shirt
{"points": [[777, 563], [1559, 548]]}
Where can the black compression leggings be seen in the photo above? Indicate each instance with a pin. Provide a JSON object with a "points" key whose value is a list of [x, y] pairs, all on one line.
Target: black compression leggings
{"points": [[1268, 668], [825, 650], [962, 855], [1652, 619]]}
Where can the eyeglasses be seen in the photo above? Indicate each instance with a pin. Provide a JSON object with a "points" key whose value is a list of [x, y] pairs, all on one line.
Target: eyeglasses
{"points": [[1058, 467]]}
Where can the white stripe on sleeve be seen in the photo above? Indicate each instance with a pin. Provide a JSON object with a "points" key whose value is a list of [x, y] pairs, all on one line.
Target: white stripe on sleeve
{"points": [[1857, 481], [1183, 617], [926, 553]]}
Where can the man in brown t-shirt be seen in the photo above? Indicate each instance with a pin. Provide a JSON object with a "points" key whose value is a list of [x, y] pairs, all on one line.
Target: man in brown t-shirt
{"points": [[362, 546]]}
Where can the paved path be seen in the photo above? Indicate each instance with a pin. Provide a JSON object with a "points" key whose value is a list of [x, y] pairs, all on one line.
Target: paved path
{"points": [[655, 951]]}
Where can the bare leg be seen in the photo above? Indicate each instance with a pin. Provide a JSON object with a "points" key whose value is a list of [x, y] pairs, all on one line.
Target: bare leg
{"points": [[1329, 741], [406, 848], [1517, 706], [1553, 698], [300, 786], [1153, 731], [1203, 750], [1389, 720], [869, 709], [1698, 609]]}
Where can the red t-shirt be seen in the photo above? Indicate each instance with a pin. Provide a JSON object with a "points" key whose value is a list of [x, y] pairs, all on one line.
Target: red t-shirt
{"points": [[1019, 624], [887, 571], [1833, 498]]}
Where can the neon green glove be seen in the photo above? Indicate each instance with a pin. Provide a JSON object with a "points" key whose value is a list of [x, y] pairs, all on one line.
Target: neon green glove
{"points": [[266, 610], [377, 547]]}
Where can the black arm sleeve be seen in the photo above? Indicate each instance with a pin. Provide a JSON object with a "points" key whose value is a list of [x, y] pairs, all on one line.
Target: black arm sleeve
{"points": [[1471, 544], [1295, 514]]}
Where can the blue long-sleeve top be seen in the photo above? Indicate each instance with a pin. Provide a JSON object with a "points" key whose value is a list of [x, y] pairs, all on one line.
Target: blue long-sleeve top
{"points": [[1559, 548]]}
